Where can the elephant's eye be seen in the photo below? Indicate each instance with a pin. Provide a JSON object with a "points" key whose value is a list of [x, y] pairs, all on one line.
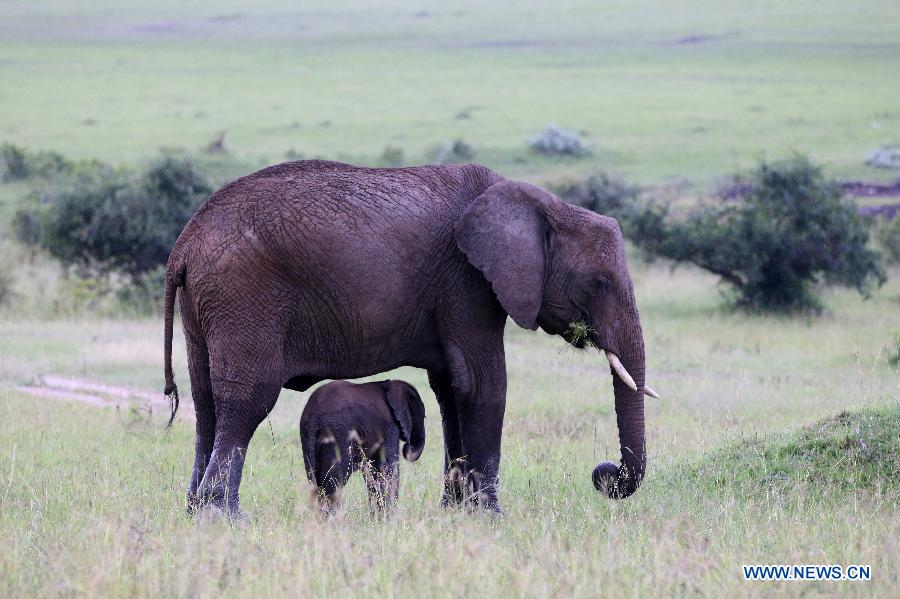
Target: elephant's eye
{"points": [[600, 286]]}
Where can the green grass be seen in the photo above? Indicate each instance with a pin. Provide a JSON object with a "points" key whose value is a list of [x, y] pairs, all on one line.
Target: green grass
{"points": [[775, 441], [851, 451], [92, 498], [118, 79]]}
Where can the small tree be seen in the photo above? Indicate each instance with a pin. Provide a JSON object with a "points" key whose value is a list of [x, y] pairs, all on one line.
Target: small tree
{"points": [[792, 229], [105, 219], [888, 234], [17, 164]]}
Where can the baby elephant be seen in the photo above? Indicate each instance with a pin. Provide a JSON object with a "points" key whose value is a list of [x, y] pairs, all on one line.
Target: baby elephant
{"points": [[346, 427]]}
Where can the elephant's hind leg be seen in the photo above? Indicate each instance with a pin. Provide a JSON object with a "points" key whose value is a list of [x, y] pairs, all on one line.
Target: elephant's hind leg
{"points": [[245, 389], [201, 392]]}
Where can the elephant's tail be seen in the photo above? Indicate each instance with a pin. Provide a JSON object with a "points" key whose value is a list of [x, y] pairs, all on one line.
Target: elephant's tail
{"points": [[173, 281]]}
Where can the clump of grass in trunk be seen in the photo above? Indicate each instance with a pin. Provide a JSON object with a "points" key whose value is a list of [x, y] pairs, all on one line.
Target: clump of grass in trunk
{"points": [[578, 334]]}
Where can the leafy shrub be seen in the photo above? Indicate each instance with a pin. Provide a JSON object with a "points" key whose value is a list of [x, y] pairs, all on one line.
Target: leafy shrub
{"points": [[144, 292], [894, 351], [791, 230], [217, 144], [103, 219], [556, 141], [17, 164], [6, 284], [391, 156], [888, 234], [457, 151], [601, 193]]}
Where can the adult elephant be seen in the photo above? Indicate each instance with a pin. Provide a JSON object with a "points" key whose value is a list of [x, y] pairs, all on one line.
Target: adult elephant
{"points": [[317, 270]]}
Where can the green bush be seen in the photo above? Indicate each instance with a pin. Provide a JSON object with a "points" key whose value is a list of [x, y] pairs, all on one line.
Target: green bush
{"points": [[102, 219], [391, 156], [454, 152], [17, 164], [791, 230], [6, 284], [894, 351], [602, 193], [144, 293], [888, 234]]}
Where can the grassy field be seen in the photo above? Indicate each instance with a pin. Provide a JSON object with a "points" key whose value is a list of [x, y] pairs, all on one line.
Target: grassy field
{"points": [[665, 91], [776, 440], [91, 497]]}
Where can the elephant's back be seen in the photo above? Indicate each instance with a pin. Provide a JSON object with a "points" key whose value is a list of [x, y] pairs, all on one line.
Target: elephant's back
{"points": [[331, 203], [343, 405], [325, 189], [330, 213]]}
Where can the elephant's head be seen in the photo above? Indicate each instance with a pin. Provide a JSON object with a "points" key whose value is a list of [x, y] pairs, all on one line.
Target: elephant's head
{"points": [[551, 264], [409, 413]]}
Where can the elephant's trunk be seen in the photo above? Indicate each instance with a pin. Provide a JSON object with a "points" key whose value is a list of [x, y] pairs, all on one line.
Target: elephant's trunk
{"points": [[412, 451], [416, 444], [623, 480]]}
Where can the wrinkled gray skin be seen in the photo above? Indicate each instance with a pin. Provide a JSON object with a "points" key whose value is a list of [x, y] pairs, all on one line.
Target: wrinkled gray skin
{"points": [[346, 427], [317, 270]]}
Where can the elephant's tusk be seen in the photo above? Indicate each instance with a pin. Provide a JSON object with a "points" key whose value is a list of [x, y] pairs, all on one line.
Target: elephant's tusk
{"points": [[620, 370], [650, 392]]}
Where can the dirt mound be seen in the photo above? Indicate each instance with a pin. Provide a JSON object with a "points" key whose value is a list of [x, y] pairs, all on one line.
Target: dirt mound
{"points": [[851, 451]]}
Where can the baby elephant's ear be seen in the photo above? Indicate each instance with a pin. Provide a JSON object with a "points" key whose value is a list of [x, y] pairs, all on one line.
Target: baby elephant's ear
{"points": [[395, 393]]}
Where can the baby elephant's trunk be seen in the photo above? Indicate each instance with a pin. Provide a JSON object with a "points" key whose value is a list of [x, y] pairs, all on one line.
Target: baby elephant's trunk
{"points": [[416, 444], [409, 413], [413, 449]]}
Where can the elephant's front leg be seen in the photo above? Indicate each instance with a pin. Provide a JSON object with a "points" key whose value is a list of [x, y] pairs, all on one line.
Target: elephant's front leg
{"points": [[480, 394], [454, 477]]}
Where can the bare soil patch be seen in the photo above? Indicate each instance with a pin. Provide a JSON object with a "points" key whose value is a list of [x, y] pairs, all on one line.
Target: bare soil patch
{"points": [[100, 395], [862, 189], [856, 189]]}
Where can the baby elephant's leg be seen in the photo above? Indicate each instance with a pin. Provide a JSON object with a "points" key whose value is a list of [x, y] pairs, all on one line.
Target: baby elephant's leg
{"points": [[333, 463], [383, 481]]}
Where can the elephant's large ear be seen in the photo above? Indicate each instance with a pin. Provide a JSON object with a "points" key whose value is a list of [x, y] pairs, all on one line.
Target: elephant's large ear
{"points": [[502, 233], [395, 394]]}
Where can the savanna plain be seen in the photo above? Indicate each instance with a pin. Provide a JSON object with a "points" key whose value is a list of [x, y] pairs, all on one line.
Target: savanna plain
{"points": [[777, 437]]}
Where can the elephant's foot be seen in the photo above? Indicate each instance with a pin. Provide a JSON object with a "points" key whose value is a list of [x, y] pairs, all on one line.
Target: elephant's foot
{"points": [[194, 504], [211, 513], [454, 487], [469, 491], [481, 493], [484, 502], [211, 506]]}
